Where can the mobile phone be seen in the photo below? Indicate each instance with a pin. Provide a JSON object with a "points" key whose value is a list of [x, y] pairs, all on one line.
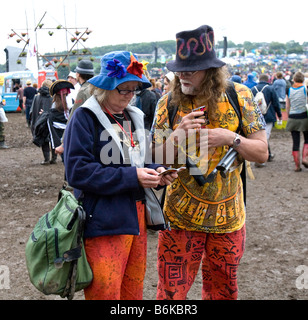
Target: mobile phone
{"points": [[202, 108], [205, 115], [171, 170]]}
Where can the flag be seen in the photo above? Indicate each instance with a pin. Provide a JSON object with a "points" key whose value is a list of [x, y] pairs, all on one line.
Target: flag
{"points": [[31, 62]]}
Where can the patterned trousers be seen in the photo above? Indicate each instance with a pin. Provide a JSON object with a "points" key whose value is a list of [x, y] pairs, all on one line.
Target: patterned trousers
{"points": [[118, 263], [180, 254]]}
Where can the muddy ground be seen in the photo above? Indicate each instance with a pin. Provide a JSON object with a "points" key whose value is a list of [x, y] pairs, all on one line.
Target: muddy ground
{"points": [[276, 255]]}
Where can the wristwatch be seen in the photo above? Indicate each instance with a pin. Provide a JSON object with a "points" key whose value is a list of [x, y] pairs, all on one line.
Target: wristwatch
{"points": [[236, 141]]}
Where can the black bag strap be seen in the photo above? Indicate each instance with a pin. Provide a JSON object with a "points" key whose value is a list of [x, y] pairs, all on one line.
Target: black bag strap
{"points": [[172, 110], [233, 99]]}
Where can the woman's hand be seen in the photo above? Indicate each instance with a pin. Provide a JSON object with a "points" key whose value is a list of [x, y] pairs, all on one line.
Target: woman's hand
{"points": [[148, 178], [59, 150]]}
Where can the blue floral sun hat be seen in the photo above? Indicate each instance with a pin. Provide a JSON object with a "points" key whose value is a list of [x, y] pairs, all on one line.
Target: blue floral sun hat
{"points": [[118, 67]]}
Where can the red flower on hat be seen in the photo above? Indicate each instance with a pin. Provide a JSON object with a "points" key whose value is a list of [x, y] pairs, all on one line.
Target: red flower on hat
{"points": [[135, 67]]}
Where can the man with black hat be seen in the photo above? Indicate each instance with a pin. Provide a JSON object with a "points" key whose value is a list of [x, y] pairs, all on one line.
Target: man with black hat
{"points": [[207, 216]]}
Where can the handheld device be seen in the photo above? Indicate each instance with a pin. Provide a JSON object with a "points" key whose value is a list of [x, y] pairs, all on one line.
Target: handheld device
{"points": [[205, 115], [171, 170]]}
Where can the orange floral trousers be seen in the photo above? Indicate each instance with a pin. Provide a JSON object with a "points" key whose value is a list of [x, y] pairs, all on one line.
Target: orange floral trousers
{"points": [[118, 263], [180, 254]]}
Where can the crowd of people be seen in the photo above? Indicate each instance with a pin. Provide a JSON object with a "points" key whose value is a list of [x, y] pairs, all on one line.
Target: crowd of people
{"points": [[101, 126], [283, 91]]}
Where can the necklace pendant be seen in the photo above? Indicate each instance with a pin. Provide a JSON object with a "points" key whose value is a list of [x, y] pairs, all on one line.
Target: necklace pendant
{"points": [[121, 117]]}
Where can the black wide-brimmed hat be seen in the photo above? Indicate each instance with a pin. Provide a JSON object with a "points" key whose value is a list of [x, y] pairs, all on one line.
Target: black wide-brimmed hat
{"points": [[60, 84], [195, 51]]}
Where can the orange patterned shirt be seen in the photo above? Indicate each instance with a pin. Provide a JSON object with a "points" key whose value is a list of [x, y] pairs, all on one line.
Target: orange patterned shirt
{"points": [[218, 206]]}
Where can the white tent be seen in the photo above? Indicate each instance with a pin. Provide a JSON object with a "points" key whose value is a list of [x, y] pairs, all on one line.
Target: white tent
{"points": [[229, 61]]}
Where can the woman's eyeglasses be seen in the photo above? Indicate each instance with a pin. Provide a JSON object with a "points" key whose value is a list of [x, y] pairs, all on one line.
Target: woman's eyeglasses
{"points": [[124, 92]]}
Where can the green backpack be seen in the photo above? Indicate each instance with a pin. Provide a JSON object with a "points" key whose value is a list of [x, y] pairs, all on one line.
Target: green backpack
{"points": [[55, 254]]}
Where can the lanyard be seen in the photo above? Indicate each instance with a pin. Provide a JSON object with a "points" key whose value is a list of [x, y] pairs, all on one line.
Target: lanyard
{"points": [[130, 130]]}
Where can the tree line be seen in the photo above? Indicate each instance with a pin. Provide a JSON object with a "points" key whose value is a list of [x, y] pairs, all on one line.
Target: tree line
{"points": [[268, 48], [169, 47]]}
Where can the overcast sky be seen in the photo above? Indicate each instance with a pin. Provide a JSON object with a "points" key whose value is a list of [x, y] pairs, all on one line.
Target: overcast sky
{"points": [[123, 21]]}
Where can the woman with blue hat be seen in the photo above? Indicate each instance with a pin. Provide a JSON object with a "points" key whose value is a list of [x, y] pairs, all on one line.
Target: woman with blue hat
{"points": [[104, 160]]}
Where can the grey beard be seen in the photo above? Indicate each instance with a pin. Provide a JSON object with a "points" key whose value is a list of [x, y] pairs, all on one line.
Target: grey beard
{"points": [[188, 90]]}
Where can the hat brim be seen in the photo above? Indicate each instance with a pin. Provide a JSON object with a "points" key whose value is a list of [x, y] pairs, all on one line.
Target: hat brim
{"points": [[107, 83], [60, 84], [178, 66]]}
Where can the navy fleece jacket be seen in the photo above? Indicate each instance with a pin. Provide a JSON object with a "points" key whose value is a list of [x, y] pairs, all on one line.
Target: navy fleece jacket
{"points": [[107, 191]]}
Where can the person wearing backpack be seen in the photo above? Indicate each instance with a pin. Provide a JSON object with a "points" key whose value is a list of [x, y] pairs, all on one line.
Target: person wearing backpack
{"points": [[42, 102], [269, 107], [207, 219]]}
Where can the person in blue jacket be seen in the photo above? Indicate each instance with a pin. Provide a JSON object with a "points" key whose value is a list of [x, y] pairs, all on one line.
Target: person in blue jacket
{"points": [[250, 82], [105, 156]]}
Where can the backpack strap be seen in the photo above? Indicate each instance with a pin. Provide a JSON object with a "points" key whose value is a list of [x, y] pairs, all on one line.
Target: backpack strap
{"points": [[233, 99], [255, 87], [264, 87], [172, 110]]}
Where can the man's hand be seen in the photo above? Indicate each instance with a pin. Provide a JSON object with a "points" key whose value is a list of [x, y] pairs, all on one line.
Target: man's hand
{"points": [[190, 121], [219, 137], [166, 179]]}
